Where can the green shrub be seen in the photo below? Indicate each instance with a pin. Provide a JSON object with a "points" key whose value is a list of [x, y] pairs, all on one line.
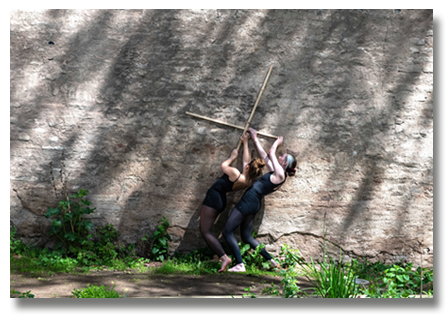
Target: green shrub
{"points": [[69, 224], [96, 292], [79, 238], [290, 257], [289, 282], [367, 270], [158, 241], [15, 245], [79, 241], [254, 259], [394, 280]]}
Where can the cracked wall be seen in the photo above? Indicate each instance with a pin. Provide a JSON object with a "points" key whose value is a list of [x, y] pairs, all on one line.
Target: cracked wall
{"points": [[351, 92]]}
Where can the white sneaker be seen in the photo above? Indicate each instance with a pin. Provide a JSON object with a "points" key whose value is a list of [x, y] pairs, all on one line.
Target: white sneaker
{"points": [[238, 268]]}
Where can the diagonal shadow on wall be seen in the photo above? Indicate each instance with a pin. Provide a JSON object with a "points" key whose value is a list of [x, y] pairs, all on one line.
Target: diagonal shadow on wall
{"points": [[119, 99]]}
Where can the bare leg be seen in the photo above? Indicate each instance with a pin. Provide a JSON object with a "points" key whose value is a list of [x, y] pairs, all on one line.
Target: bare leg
{"points": [[226, 261]]}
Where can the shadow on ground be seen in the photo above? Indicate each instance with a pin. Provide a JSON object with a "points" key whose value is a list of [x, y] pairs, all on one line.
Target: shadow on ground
{"points": [[140, 285]]}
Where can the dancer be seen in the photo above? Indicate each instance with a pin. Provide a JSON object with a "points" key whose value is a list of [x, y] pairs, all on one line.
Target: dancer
{"points": [[245, 210], [215, 200]]}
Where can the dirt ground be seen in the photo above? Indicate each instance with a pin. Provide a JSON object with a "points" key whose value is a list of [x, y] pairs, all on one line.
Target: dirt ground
{"points": [[144, 285]]}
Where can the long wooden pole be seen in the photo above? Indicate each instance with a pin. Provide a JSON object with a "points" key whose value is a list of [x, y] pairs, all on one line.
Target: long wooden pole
{"points": [[227, 124], [256, 103]]}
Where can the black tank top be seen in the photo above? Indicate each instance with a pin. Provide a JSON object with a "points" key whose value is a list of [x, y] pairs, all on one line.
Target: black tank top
{"points": [[264, 186], [223, 184]]}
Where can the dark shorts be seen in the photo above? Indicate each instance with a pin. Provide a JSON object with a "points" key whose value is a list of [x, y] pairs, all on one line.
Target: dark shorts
{"points": [[215, 199]]}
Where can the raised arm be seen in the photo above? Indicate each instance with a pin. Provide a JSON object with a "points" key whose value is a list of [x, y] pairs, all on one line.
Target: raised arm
{"points": [[260, 149], [232, 172], [246, 156], [279, 172]]}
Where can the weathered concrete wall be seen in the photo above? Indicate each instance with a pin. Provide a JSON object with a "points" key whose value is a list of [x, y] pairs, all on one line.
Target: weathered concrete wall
{"points": [[351, 92]]}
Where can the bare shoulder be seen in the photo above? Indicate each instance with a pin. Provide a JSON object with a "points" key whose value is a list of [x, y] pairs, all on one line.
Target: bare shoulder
{"points": [[277, 179], [233, 173], [241, 183]]}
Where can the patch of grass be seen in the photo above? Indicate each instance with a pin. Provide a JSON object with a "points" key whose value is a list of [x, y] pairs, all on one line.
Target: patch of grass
{"points": [[96, 292], [31, 267], [48, 264], [129, 263], [175, 266]]}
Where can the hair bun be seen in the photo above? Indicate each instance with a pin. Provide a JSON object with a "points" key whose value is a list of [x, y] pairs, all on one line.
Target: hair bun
{"points": [[259, 163], [256, 168]]}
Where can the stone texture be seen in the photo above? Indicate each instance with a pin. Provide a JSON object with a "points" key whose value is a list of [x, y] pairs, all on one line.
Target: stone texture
{"points": [[351, 92]]}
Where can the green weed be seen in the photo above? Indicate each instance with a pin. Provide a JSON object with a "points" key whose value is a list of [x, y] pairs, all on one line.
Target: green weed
{"points": [[16, 294], [96, 292], [158, 241], [249, 294]]}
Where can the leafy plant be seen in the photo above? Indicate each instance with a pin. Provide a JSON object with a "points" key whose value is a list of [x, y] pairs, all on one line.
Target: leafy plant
{"points": [[404, 280], [254, 259], [398, 276], [249, 294], [79, 238], [426, 277], [367, 270], [107, 240], [430, 293], [375, 291], [15, 245], [393, 280], [96, 292], [159, 239], [400, 281], [289, 285], [271, 290], [25, 295], [69, 224], [290, 257]]}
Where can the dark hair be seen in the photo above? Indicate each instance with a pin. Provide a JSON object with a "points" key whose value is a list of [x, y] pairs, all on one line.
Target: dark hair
{"points": [[256, 168], [290, 169]]}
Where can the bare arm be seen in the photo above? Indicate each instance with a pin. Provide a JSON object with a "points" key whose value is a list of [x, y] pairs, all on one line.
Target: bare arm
{"points": [[232, 172], [260, 149], [279, 172], [246, 156]]}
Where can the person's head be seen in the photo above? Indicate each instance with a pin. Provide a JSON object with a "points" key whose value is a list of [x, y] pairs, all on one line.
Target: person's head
{"points": [[255, 168], [289, 163]]}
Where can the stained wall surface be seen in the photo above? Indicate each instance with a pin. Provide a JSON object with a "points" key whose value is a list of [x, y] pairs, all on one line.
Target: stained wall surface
{"points": [[104, 93]]}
